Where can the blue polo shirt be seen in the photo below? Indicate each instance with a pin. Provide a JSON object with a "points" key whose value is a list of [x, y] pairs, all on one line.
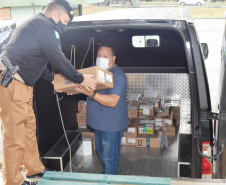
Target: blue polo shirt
{"points": [[105, 118]]}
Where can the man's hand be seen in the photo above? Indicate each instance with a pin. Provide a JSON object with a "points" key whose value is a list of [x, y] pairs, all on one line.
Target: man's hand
{"points": [[88, 83], [83, 90]]}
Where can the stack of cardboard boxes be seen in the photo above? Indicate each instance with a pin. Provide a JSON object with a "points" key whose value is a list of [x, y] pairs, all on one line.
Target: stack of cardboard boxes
{"points": [[146, 119], [81, 115]]}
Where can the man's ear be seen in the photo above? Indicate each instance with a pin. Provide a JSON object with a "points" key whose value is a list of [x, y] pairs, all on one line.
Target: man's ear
{"points": [[114, 58], [54, 16]]}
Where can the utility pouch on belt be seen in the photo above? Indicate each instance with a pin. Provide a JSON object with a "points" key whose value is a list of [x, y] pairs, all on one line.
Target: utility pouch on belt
{"points": [[8, 74]]}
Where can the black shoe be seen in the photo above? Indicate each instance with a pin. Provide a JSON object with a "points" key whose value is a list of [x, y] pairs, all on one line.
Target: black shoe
{"points": [[38, 174], [29, 183]]}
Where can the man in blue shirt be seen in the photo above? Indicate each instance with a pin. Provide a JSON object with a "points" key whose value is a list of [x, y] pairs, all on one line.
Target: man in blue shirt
{"points": [[107, 111]]}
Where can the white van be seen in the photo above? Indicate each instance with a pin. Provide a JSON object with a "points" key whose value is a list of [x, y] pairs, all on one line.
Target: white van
{"points": [[191, 2]]}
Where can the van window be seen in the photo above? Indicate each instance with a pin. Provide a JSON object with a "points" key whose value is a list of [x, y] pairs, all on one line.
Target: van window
{"points": [[146, 41]]}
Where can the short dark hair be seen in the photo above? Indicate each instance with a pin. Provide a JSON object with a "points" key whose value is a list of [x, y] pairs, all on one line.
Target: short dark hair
{"points": [[108, 46]]}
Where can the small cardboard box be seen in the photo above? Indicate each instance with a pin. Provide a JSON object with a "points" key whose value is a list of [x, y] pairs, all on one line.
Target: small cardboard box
{"points": [[156, 102], [86, 133], [176, 114], [133, 109], [168, 122], [165, 111], [146, 101], [159, 120], [81, 117], [146, 111], [132, 128], [82, 106], [147, 142], [103, 78], [169, 131]]}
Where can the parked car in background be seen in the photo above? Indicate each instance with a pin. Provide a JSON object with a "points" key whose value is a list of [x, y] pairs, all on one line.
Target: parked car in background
{"points": [[191, 2]]}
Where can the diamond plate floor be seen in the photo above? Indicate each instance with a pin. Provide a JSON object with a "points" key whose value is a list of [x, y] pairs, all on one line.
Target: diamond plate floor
{"points": [[155, 162]]}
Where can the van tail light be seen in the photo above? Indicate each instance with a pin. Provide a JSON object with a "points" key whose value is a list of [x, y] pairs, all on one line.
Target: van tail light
{"points": [[207, 169]]}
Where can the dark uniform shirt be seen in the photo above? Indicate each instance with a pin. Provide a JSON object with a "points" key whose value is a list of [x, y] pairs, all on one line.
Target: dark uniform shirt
{"points": [[33, 45]]}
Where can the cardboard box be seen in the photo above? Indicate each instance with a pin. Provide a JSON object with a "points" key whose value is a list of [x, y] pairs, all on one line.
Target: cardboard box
{"points": [[81, 117], [146, 129], [132, 128], [169, 131], [146, 111], [133, 109], [86, 133], [176, 114], [146, 101], [82, 106], [148, 142], [168, 122], [156, 102], [165, 111], [103, 78], [129, 141], [5, 14], [159, 120]]}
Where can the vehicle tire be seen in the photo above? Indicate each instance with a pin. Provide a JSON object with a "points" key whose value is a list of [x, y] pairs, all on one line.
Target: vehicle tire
{"points": [[199, 4], [127, 3], [182, 3]]}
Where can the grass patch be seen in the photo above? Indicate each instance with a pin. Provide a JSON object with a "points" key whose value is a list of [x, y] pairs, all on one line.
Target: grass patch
{"points": [[197, 12]]}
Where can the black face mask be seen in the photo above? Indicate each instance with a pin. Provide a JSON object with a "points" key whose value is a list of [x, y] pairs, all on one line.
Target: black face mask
{"points": [[62, 27]]}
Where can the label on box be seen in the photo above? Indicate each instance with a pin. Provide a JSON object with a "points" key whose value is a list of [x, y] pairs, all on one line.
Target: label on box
{"points": [[146, 111], [108, 78], [130, 140], [156, 104], [131, 130], [101, 76], [158, 124], [141, 130], [158, 119], [150, 130], [123, 140], [169, 122]]}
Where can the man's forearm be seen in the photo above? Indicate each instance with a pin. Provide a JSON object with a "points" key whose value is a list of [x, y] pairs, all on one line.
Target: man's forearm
{"points": [[107, 100]]}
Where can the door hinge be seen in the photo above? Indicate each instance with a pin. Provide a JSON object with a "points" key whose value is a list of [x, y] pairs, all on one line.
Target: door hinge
{"points": [[214, 116]]}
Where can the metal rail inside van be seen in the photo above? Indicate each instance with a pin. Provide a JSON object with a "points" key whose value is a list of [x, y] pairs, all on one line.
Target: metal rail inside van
{"points": [[159, 51]]}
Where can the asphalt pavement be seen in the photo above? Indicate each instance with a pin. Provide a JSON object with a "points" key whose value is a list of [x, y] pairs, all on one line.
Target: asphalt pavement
{"points": [[210, 31]]}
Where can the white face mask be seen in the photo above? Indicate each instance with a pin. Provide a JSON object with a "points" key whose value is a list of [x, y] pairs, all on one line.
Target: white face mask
{"points": [[102, 63]]}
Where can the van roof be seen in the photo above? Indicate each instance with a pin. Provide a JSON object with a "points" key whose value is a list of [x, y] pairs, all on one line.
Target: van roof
{"points": [[139, 13]]}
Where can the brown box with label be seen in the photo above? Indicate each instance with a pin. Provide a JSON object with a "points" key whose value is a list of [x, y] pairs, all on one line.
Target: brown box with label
{"points": [[169, 131], [81, 119], [82, 106], [103, 78], [176, 114], [156, 102], [142, 142], [168, 122], [129, 140], [133, 109], [132, 128], [146, 111], [165, 111], [146, 129], [146, 101], [159, 120]]}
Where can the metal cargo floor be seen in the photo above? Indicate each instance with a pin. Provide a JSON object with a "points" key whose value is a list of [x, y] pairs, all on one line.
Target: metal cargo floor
{"points": [[154, 162]]}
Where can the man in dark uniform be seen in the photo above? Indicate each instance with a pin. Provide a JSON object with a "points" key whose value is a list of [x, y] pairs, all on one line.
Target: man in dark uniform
{"points": [[32, 46]]}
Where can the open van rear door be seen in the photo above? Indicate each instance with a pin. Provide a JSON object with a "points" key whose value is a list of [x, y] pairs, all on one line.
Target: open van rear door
{"points": [[221, 123]]}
